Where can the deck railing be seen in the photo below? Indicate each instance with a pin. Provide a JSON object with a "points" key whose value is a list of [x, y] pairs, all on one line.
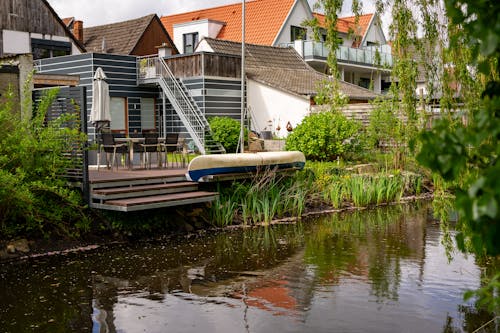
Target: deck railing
{"points": [[365, 56]]}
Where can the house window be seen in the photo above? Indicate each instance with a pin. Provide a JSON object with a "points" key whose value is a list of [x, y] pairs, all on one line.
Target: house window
{"points": [[118, 112], [340, 40], [364, 82], [45, 48], [297, 33], [190, 41], [148, 114]]}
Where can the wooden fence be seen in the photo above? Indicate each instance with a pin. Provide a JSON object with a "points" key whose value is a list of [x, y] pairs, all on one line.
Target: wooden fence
{"points": [[72, 100], [205, 64]]}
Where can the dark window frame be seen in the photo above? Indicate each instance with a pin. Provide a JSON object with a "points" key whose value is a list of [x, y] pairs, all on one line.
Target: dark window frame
{"points": [[49, 47], [190, 45], [297, 33]]}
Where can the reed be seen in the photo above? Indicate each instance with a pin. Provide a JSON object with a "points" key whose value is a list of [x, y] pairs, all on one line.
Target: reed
{"points": [[223, 212], [335, 194], [270, 195]]}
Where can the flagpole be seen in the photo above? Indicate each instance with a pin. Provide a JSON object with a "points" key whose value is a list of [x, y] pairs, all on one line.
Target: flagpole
{"points": [[242, 126]]}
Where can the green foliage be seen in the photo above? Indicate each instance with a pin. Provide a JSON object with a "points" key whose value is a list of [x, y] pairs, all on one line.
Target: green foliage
{"points": [[385, 126], [463, 147], [223, 211], [324, 136], [267, 196], [33, 197], [467, 154], [226, 131]]}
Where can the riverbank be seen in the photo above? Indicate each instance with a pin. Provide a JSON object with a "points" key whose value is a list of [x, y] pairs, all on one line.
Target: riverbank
{"points": [[32, 248], [269, 198]]}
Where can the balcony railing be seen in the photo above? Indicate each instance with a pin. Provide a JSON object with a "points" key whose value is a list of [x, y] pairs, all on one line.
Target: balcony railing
{"points": [[365, 56]]}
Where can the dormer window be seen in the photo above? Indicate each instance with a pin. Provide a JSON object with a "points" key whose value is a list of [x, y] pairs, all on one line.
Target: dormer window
{"points": [[190, 40]]}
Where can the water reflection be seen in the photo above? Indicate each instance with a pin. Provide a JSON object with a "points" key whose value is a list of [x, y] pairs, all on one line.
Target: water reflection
{"points": [[379, 271]]}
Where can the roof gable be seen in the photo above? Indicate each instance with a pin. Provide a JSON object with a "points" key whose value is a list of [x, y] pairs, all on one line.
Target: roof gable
{"points": [[34, 16], [78, 44], [263, 20], [120, 37]]}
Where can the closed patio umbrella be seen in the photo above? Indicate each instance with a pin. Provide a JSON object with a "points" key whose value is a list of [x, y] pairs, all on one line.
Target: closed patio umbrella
{"points": [[100, 115], [100, 99]]}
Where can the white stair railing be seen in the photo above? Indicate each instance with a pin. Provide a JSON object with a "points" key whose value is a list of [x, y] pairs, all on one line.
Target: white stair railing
{"points": [[189, 113]]}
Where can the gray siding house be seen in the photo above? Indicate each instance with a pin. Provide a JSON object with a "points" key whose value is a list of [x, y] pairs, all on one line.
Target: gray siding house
{"points": [[143, 96]]}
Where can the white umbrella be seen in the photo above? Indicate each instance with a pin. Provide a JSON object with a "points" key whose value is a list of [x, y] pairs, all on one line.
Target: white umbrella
{"points": [[100, 98], [100, 114]]}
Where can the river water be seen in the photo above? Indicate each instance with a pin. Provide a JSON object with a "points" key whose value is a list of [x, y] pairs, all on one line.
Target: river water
{"points": [[382, 270]]}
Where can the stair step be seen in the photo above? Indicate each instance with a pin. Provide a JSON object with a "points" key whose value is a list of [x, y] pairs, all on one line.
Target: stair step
{"points": [[143, 190], [157, 201]]}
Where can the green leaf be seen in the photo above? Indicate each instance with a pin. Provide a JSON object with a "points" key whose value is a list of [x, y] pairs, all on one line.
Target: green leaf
{"points": [[489, 44]]}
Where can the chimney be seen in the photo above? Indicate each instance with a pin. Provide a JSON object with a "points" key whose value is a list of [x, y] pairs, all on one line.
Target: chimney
{"points": [[78, 31]]}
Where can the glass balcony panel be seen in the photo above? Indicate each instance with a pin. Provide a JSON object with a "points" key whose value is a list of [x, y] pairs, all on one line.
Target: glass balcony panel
{"points": [[360, 56], [344, 53], [308, 49]]}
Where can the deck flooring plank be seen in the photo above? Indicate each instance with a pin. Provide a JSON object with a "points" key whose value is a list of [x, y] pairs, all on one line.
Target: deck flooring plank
{"points": [[160, 198], [139, 188]]}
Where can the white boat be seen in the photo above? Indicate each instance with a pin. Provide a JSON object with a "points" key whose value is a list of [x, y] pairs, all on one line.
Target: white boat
{"points": [[207, 167]]}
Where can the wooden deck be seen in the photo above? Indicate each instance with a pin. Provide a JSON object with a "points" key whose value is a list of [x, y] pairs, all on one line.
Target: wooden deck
{"points": [[105, 175], [132, 190]]}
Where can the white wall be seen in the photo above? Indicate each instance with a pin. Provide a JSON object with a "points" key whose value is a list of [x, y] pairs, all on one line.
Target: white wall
{"points": [[204, 47], [204, 28], [16, 42], [271, 107], [19, 42], [298, 14]]}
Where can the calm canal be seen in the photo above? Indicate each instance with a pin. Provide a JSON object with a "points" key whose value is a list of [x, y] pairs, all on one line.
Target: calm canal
{"points": [[381, 270]]}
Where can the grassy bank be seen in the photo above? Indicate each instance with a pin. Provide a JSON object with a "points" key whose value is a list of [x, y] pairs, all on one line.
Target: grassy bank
{"points": [[326, 185]]}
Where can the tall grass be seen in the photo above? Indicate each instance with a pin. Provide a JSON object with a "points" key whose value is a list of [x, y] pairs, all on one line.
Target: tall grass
{"points": [[267, 196], [270, 195], [223, 212], [365, 190]]}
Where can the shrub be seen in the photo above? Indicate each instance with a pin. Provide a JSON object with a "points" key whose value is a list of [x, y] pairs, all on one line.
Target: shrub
{"points": [[33, 197], [384, 127], [324, 136], [226, 131]]}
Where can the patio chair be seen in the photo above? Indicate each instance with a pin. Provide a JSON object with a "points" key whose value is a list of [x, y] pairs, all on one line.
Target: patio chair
{"points": [[111, 147], [181, 154], [150, 145], [171, 145]]}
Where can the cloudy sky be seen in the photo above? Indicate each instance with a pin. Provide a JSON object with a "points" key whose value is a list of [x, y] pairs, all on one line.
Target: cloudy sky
{"points": [[97, 12]]}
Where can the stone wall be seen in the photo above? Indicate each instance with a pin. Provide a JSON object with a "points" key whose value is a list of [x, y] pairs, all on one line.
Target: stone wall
{"points": [[9, 80]]}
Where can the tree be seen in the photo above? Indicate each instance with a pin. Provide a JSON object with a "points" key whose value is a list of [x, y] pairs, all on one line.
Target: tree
{"points": [[467, 153]]}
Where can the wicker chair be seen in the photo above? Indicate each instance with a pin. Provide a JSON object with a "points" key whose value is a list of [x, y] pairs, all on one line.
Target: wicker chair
{"points": [[111, 147], [150, 145], [171, 145]]}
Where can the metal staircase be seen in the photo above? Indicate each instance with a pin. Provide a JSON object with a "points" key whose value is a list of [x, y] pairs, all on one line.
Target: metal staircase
{"points": [[154, 69]]}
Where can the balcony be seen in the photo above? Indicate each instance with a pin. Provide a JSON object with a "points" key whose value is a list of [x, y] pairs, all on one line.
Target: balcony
{"points": [[311, 50]]}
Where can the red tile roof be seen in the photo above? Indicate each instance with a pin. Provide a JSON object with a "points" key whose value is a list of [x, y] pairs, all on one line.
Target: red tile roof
{"points": [[344, 23], [263, 20]]}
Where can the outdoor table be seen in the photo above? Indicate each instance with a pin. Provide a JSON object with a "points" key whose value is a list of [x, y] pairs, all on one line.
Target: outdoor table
{"points": [[130, 142]]}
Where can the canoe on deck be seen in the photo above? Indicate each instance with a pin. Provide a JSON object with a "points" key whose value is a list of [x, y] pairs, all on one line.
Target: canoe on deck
{"points": [[204, 168]]}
